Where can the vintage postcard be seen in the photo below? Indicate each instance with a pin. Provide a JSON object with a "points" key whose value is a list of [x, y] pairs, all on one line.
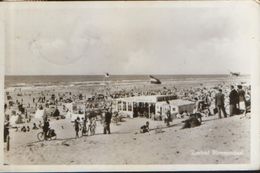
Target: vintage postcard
{"points": [[165, 85]]}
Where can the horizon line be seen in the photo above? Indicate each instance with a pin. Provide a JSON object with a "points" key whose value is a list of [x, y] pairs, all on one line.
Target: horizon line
{"points": [[116, 74]]}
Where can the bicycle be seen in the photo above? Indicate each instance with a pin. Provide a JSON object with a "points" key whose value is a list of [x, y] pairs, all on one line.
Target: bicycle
{"points": [[50, 135]]}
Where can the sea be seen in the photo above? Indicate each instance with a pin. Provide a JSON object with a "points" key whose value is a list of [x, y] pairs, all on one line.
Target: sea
{"points": [[77, 80]]}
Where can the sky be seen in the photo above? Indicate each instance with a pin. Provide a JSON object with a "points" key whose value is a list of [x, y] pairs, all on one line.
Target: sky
{"points": [[130, 38]]}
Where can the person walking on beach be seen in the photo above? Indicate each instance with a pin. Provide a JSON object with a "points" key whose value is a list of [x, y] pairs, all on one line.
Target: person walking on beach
{"points": [[167, 113], [198, 105], [233, 100], [242, 99], [220, 102], [107, 121], [77, 126], [84, 125]]}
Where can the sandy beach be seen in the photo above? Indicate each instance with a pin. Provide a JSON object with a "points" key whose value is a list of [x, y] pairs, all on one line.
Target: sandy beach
{"points": [[216, 141]]}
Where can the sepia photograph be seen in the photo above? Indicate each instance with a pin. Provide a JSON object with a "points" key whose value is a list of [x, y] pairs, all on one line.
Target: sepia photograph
{"points": [[130, 84]]}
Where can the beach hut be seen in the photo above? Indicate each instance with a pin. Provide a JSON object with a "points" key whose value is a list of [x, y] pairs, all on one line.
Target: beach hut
{"points": [[177, 106], [139, 105]]}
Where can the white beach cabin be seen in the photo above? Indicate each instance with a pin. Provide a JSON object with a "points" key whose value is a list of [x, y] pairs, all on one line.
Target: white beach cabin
{"points": [[140, 105], [177, 106]]}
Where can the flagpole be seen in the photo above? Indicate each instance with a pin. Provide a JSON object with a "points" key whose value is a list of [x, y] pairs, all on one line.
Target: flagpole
{"points": [[106, 87], [104, 82]]}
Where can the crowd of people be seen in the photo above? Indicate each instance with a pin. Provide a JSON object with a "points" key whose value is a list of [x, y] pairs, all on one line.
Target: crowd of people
{"points": [[209, 100], [87, 125]]}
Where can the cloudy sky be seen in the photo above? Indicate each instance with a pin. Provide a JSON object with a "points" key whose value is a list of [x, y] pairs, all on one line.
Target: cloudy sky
{"points": [[130, 38]]}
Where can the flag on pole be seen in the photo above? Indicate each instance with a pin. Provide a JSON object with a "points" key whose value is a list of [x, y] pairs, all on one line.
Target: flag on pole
{"points": [[154, 80], [106, 74]]}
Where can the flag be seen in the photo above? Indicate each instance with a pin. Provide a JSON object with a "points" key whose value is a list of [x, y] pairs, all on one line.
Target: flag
{"points": [[106, 74], [154, 80]]}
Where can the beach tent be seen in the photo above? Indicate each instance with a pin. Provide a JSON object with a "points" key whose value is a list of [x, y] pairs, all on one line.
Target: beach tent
{"points": [[56, 112], [69, 106], [39, 113], [16, 119], [13, 120]]}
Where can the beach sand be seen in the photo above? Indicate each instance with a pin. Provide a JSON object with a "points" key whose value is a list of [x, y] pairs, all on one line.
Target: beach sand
{"points": [[216, 141]]}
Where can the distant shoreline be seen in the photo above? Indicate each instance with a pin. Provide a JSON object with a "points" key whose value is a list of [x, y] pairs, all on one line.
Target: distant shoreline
{"points": [[99, 80], [50, 75]]}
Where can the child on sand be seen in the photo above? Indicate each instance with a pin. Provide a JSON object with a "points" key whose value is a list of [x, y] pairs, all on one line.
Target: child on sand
{"points": [[34, 126], [23, 129], [145, 128], [28, 128]]}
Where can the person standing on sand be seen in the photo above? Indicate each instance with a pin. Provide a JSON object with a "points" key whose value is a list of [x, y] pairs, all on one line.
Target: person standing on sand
{"points": [[242, 99], [219, 103], [5, 107], [84, 125], [6, 130], [107, 121], [233, 100], [77, 126], [198, 105], [167, 113]]}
